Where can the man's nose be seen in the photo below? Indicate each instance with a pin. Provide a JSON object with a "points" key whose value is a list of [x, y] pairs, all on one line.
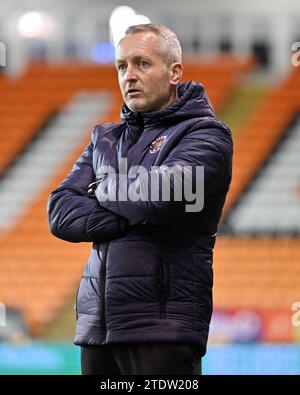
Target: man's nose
{"points": [[130, 74]]}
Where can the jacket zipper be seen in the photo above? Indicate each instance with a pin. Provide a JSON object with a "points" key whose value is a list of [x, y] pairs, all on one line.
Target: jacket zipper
{"points": [[103, 269], [102, 292], [134, 140]]}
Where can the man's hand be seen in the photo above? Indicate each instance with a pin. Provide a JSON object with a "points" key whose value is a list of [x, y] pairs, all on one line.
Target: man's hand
{"points": [[92, 188], [91, 192]]}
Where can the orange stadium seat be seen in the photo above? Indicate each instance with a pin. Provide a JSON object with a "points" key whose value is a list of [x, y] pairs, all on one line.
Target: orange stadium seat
{"points": [[259, 136]]}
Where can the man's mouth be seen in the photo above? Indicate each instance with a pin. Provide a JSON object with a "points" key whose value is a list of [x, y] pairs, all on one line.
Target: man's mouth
{"points": [[133, 92]]}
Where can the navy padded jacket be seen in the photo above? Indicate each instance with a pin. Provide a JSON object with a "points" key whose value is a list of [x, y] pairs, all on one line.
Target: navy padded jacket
{"points": [[151, 282]]}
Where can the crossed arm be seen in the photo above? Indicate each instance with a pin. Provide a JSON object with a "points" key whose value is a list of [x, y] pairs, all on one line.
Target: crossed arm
{"points": [[76, 216]]}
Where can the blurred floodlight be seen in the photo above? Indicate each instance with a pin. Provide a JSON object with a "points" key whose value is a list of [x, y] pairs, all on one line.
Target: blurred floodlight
{"points": [[103, 53], [139, 19], [36, 25], [120, 14], [2, 55], [121, 18]]}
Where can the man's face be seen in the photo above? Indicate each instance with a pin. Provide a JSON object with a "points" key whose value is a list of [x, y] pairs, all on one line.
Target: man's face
{"points": [[143, 74]]}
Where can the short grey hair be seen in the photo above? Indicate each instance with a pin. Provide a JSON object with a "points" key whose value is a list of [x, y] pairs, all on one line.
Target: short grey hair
{"points": [[169, 44]]}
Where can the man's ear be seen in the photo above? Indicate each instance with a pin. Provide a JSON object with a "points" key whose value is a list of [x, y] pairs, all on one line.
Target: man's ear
{"points": [[176, 71]]}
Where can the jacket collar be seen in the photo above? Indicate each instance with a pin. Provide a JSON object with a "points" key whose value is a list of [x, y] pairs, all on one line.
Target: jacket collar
{"points": [[192, 102]]}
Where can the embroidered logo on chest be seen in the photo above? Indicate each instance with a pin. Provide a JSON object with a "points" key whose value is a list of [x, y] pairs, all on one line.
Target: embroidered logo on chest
{"points": [[157, 144]]}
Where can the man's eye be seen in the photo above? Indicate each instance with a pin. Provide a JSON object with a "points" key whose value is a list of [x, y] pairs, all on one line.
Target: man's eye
{"points": [[121, 67], [142, 63]]}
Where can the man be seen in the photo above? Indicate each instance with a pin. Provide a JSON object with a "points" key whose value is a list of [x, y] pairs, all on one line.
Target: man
{"points": [[144, 302]]}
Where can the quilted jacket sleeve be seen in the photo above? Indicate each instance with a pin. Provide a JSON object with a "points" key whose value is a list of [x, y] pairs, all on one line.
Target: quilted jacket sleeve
{"points": [[205, 155], [76, 217]]}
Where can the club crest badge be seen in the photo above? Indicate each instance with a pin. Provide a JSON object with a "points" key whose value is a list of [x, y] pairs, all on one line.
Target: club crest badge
{"points": [[157, 144]]}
